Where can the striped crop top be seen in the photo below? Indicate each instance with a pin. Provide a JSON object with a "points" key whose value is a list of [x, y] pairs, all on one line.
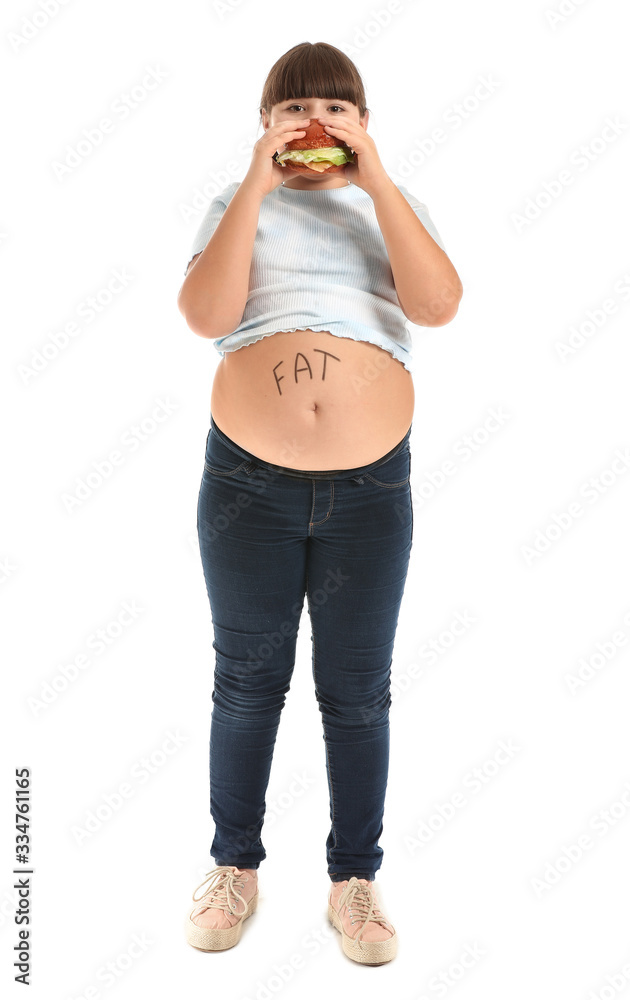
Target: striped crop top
{"points": [[319, 262]]}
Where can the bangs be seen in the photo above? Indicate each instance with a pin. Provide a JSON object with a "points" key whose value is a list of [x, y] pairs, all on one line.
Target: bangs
{"points": [[313, 69]]}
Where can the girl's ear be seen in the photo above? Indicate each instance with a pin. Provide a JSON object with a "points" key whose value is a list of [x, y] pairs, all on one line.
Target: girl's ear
{"points": [[364, 121]]}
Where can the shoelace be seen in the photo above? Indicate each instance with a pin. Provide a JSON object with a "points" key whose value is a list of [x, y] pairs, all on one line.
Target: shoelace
{"points": [[360, 901], [220, 891]]}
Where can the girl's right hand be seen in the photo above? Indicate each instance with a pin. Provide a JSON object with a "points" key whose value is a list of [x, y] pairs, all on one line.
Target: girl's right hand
{"points": [[264, 174]]}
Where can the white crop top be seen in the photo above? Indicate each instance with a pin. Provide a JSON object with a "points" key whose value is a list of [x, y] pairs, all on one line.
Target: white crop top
{"points": [[319, 262]]}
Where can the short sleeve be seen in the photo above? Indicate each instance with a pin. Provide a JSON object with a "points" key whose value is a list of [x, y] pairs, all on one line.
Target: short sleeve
{"points": [[210, 221], [422, 212]]}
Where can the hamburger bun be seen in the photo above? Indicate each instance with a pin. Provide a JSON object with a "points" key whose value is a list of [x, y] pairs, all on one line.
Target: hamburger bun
{"points": [[315, 137]]}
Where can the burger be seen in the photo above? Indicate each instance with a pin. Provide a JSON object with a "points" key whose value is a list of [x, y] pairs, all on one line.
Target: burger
{"points": [[315, 151]]}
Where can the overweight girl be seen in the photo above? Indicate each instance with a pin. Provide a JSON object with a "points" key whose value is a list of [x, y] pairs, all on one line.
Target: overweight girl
{"points": [[303, 282]]}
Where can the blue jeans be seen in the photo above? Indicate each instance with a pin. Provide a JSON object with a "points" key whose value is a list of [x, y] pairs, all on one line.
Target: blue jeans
{"points": [[268, 535]]}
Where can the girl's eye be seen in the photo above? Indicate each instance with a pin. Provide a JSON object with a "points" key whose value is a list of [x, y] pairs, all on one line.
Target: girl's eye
{"points": [[300, 106]]}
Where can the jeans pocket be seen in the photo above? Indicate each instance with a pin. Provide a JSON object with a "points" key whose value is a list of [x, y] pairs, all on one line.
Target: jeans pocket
{"points": [[221, 460], [393, 474]]}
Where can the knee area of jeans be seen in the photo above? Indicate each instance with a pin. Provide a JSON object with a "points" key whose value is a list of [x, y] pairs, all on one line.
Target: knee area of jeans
{"points": [[355, 718]]}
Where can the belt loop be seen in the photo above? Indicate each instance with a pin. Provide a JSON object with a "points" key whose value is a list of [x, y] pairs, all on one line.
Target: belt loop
{"points": [[357, 479]]}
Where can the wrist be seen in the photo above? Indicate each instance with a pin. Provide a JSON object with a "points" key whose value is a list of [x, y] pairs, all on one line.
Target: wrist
{"points": [[381, 186], [251, 189]]}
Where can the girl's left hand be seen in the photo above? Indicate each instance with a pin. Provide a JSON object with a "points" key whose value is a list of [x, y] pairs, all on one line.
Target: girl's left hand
{"points": [[367, 171]]}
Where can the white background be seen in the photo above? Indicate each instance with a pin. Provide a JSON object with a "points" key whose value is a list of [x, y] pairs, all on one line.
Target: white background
{"points": [[494, 877]]}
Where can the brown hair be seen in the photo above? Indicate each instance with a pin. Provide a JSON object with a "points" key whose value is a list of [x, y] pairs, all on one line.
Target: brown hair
{"points": [[313, 69]]}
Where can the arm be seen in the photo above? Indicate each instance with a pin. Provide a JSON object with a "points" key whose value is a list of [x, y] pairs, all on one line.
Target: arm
{"points": [[214, 292], [428, 286]]}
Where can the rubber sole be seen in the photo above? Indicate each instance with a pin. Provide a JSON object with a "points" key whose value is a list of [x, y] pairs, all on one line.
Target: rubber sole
{"points": [[217, 938], [366, 952]]}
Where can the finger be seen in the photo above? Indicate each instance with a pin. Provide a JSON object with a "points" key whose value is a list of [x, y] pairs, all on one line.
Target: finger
{"points": [[339, 128], [289, 126], [348, 132], [280, 141], [282, 138]]}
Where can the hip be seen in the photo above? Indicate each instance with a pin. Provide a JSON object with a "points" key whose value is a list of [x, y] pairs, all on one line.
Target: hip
{"points": [[245, 500]]}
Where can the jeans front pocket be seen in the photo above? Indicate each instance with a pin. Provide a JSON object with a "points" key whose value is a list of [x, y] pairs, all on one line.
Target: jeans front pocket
{"points": [[221, 460], [393, 474]]}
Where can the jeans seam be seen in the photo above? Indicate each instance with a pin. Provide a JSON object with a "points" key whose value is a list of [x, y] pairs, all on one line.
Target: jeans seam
{"points": [[312, 523], [310, 520], [386, 486], [328, 762], [332, 791], [217, 472]]}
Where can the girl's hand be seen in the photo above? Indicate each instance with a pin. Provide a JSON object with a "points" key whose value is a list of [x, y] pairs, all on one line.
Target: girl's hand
{"points": [[264, 173], [367, 171]]}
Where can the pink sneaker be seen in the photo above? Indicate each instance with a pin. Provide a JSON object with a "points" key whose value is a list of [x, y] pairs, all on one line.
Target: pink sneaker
{"points": [[366, 936], [229, 898]]}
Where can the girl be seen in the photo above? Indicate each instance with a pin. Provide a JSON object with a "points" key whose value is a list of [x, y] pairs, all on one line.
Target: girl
{"points": [[303, 282]]}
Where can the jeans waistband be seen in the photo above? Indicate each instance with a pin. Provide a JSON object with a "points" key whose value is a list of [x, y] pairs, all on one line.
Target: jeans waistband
{"points": [[301, 474]]}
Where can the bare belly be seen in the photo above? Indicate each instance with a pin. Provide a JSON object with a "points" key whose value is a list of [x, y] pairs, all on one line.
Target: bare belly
{"points": [[308, 400]]}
